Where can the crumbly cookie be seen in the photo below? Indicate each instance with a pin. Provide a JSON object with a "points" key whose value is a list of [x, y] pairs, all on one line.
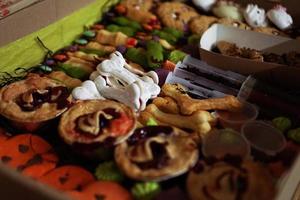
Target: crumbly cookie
{"points": [[230, 49], [200, 24], [225, 181], [143, 5], [269, 31], [234, 23], [176, 15]]}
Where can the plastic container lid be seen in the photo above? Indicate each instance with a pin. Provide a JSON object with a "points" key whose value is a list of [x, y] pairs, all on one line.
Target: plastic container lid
{"points": [[264, 137], [220, 142], [236, 120]]}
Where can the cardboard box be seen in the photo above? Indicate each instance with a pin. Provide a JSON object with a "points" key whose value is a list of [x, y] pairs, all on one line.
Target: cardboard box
{"points": [[243, 38], [35, 17], [55, 22], [8, 7]]}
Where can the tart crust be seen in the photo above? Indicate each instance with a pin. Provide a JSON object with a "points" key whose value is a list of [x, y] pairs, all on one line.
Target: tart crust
{"points": [[10, 109], [224, 181], [181, 149], [69, 120]]}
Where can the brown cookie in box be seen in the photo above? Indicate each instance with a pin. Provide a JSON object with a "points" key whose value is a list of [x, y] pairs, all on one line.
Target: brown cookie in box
{"points": [[230, 49], [200, 24], [176, 15]]}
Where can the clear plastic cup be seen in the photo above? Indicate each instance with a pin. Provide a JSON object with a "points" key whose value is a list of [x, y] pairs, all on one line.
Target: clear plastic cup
{"points": [[236, 120], [263, 138], [221, 142]]}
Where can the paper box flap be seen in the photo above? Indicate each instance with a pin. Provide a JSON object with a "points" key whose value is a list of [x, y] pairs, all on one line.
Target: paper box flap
{"points": [[243, 38]]}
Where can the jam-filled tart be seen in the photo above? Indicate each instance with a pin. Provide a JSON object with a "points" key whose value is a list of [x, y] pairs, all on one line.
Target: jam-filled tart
{"points": [[224, 180], [95, 123], [156, 153], [34, 100]]}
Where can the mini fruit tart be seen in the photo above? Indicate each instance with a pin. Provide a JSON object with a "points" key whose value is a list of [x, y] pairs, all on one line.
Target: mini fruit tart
{"points": [[30, 102], [156, 153], [230, 180], [90, 125]]}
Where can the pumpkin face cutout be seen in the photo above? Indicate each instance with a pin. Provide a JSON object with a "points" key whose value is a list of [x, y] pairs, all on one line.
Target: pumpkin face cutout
{"points": [[29, 154]]}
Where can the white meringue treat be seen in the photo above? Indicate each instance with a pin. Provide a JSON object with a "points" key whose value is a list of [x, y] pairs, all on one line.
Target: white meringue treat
{"points": [[205, 5], [280, 18], [255, 16], [228, 9], [116, 79]]}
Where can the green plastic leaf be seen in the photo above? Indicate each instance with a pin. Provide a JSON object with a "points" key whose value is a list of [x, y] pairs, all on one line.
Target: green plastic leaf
{"points": [[166, 36], [137, 55], [108, 171], [154, 54], [123, 21], [73, 71], [282, 123], [176, 55], [294, 135], [126, 30], [146, 190], [174, 32]]}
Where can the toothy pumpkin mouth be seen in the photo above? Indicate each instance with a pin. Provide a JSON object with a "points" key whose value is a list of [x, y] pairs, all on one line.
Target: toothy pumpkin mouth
{"points": [[96, 123], [156, 153], [33, 99]]}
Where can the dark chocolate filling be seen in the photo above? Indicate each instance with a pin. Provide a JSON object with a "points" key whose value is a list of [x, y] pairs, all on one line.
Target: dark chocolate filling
{"points": [[229, 173], [238, 184], [141, 134], [198, 168], [206, 193], [159, 151], [160, 156], [58, 95]]}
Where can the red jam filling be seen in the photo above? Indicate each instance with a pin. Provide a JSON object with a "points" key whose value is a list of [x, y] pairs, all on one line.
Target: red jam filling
{"points": [[116, 123]]}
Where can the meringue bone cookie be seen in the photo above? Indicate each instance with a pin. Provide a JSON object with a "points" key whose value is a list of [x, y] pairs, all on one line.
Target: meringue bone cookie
{"points": [[129, 95], [116, 79], [87, 91], [228, 9], [255, 16], [280, 18], [205, 5]]}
